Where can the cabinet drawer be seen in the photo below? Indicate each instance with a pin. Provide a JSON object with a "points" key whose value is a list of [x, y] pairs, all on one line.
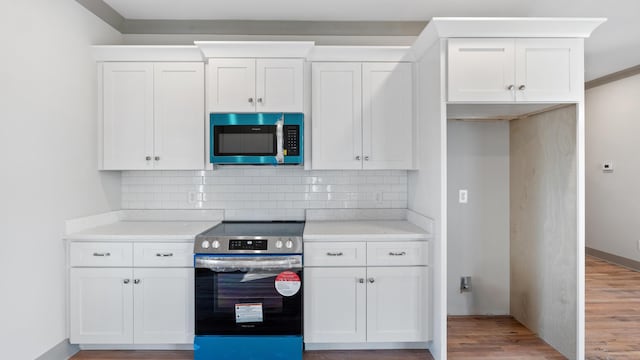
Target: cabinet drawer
{"points": [[401, 253], [335, 254], [163, 254], [101, 254]]}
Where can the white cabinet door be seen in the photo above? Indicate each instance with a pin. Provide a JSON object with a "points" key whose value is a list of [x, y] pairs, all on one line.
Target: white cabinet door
{"points": [[335, 306], [397, 304], [163, 303], [387, 116], [231, 85], [279, 85], [481, 70], [336, 116], [179, 116], [127, 116], [101, 306], [549, 69]]}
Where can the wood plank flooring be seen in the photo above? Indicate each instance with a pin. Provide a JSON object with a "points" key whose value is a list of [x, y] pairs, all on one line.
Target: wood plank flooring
{"points": [[612, 330], [612, 311]]}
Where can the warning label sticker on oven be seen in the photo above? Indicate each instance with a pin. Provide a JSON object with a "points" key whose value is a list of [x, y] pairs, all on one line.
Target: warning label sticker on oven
{"points": [[287, 283], [248, 313]]}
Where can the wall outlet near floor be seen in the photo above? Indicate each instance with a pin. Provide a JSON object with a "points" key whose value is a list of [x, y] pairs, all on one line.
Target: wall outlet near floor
{"points": [[463, 196], [607, 167], [465, 284]]}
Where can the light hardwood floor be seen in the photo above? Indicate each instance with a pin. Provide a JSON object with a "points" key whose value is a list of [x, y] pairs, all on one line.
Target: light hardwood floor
{"points": [[612, 332]]}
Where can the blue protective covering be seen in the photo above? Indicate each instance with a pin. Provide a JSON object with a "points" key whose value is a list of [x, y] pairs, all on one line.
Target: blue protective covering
{"points": [[255, 119], [264, 347]]}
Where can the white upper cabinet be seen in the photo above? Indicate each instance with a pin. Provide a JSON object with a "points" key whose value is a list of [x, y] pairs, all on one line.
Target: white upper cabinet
{"points": [[255, 85], [508, 70], [362, 116], [152, 116]]}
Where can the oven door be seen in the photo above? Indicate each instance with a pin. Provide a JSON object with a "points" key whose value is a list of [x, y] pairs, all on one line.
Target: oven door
{"points": [[248, 295]]}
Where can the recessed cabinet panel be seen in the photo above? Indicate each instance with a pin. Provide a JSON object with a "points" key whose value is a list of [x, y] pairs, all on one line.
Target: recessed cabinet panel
{"points": [[179, 114], [101, 306], [397, 304], [127, 116], [480, 69], [387, 129], [335, 308], [549, 69], [279, 85], [232, 85], [337, 116]]}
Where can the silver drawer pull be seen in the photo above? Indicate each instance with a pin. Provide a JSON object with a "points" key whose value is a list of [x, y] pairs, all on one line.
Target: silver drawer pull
{"points": [[335, 253], [101, 254], [361, 280], [164, 254], [391, 253]]}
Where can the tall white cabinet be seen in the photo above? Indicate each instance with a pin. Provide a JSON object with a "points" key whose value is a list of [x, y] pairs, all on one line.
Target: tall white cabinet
{"points": [[362, 115], [152, 116]]}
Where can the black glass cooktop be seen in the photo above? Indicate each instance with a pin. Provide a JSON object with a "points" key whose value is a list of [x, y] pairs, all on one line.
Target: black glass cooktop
{"points": [[257, 228]]}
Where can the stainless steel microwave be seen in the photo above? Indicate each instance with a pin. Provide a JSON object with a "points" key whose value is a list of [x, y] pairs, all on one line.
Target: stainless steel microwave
{"points": [[258, 139]]}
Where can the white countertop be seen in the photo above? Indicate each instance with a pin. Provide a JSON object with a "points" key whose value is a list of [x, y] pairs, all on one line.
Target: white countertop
{"points": [[144, 231], [369, 230]]}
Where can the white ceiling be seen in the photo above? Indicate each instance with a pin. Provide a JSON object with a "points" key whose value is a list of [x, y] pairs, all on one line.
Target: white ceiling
{"points": [[614, 46]]}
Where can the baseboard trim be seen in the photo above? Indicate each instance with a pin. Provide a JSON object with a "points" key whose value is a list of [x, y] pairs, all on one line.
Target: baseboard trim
{"points": [[64, 350], [615, 259], [367, 346]]}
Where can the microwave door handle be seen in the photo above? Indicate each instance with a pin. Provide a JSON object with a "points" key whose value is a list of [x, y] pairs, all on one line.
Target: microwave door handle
{"points": [[280, 140]]}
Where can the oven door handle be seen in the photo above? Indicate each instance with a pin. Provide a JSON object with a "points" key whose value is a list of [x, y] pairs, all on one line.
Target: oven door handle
{"points": [[248, 263]]}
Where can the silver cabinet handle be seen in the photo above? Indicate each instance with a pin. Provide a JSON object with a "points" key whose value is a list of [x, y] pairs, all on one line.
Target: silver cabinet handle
{"points": [[126, 281], [335, 253], [164, 254], [391, 253], [260, 100], [361, 280], [511, 87], [136, 281], [372, 280], [101, 254], [157, 158], [251, 100], [366, 158], [521, 87], [148, 158], [358, 157]]}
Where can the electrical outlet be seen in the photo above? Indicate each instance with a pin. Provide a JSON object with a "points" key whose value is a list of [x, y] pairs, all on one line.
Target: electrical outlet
{"points": [[607, 167], [195, 197], [463, 196], [465, 284]]}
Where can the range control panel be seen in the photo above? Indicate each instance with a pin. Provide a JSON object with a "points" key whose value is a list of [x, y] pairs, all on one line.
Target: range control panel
{"points": [[248, 244]]}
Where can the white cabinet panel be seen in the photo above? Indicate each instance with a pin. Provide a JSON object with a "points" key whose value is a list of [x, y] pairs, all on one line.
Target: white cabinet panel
{"points": [[101, 306], [179, 116], [163, 254], [279, 85], [337, 116], [515, 70], [397, 253], [549, 69], [362, 116], [232, 85], [397, 305], [335, 254], [100, 254], [163, 303], [335, 308], [127, 116], [387, 117]]}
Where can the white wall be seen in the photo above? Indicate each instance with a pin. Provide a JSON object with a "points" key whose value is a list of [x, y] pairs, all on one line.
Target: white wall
{"points": [[48, 157], [544, 239], [612, 134], [478, 231]]}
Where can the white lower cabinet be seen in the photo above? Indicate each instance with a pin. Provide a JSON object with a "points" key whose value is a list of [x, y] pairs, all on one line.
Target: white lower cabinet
{"points": [[361, 304], [131, 305]]}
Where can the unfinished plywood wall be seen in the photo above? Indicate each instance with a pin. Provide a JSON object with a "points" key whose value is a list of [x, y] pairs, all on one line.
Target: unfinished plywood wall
{"points": [[543, 210]]}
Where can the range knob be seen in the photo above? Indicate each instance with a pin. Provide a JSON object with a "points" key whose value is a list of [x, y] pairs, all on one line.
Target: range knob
{"points": [[215, 244], [289, 244], [278, 244], [205, 244]]}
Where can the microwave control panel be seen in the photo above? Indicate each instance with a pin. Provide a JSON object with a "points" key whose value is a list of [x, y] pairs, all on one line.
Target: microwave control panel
{"points": [[291, 140]]}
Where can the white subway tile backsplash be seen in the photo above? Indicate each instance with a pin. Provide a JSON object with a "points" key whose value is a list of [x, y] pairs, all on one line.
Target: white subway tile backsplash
{"points": [[260, 193]]}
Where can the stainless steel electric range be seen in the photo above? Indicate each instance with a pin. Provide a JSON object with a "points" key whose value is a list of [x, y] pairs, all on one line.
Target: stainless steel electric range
{"points": [[248, 291]]}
